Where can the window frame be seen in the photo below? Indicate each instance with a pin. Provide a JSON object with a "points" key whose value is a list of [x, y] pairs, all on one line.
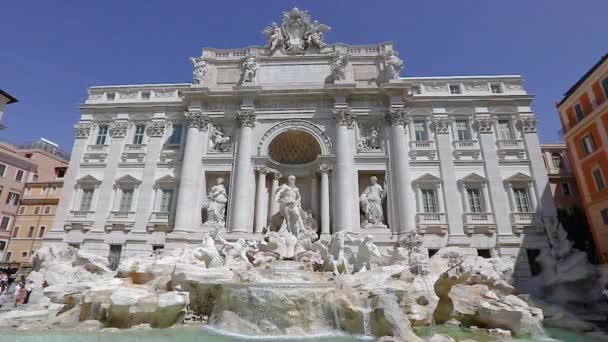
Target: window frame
{"points": [[8, 223], [16, 196], [15, 232], [423, 124], [509, 129], [604, 83], [47, 209], [522, 204], [102, 139], [469, 189], [579, 113], [139, 134], [604, 214], [162, 200], [467, 131], [31, 232], [85, 191], [125, 205], [498, 86], [37, 210], [598, 179], [176, 139], [434, 204], [455, 86], [3, 168], [41, 232], [589, 144], [19, 175]]}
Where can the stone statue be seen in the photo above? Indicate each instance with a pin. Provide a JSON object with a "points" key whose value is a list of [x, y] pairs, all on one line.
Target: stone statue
{"points": [[275, 36], [219, 140], [236, 251], [338, 67], [216, 203], [208, 253], [371, 202], [367, 249], [370, 140], [315, 35], [296, 34], [200, 70], [335, 258], [249, 70], [290, 206], [392, 65]]}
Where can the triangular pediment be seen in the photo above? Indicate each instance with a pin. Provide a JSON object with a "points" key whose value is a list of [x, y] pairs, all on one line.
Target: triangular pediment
{"points": [[88, 179], [472, 178], [519, 177], [127, 179], [427, 178], [167, 179]]}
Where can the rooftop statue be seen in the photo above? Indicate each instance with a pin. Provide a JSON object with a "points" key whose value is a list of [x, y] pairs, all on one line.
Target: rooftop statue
{"points": [[296, 34], [200, 70]]}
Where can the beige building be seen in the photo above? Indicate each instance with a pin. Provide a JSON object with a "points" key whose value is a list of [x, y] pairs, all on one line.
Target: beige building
{"points": [[5, 99], [34, 218], [23, 169]]}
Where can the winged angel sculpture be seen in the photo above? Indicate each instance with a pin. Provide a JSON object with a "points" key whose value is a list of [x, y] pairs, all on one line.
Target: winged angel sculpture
{"points": [[296, 34]]}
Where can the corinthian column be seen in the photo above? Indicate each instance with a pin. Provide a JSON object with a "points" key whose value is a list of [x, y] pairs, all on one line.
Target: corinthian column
{"points": [[242, 189], [187, 217], [399, 157], [261, 207], [343, 180], [325, 200]]}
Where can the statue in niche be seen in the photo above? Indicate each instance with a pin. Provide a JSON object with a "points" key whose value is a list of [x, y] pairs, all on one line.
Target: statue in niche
{"points": [[370, 140], [249, 70], [371, 201], [392, 65], [219, 140], [338, 67], [216, 203], [290, 206], [200, 70]]}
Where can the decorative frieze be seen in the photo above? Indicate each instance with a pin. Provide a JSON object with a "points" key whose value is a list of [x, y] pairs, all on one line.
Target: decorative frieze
{"points": [[345, 117], [527, 124], [246, 117], [397, 116], [441, 125], [219, 140], [369, 139], [483, 125], [83, 130], [119, 129], [156, 128], [197, 120]]}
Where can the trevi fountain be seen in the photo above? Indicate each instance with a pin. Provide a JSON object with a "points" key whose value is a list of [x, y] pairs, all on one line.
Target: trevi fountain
{"points": [[295, 266]]}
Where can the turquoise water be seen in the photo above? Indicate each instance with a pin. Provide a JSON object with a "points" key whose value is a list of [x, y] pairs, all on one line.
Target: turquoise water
{"points": [[197, 334]]}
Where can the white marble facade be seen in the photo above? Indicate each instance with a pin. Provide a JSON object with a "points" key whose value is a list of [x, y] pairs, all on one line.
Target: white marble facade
{"points": [[457, 158]]}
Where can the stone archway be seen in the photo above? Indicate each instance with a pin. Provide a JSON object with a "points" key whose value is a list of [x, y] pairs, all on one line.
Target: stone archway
{"points": [[294, 147], [313, 132]]}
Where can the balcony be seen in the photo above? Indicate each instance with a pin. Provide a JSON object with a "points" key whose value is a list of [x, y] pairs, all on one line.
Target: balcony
{"points": [[120, 220], [466, 148], [159, 221], [431, 223], [79, 220], [512, 147], [96, 154], [479, 223], [133, 153], [423, 148], [524, 221], [171, 153]]}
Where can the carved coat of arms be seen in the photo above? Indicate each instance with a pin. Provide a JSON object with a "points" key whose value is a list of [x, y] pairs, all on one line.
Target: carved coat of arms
{"points": [[296, 33]]}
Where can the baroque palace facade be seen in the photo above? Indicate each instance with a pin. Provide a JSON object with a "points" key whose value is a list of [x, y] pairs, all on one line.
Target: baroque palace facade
{"points": [[456, 159]]}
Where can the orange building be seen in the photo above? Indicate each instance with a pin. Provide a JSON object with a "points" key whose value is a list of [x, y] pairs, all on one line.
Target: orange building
{"points": [[584, 117]]}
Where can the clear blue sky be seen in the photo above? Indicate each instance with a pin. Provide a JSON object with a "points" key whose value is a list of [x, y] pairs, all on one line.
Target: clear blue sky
{"points": [[53, 50]]}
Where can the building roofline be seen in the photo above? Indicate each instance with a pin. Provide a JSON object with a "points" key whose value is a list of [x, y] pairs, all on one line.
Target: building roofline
{"points": [[413, 78], [582, 80], [11, 99]]}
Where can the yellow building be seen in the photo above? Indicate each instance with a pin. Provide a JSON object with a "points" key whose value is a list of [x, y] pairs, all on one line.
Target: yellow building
{"points": [[34, 218]]}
